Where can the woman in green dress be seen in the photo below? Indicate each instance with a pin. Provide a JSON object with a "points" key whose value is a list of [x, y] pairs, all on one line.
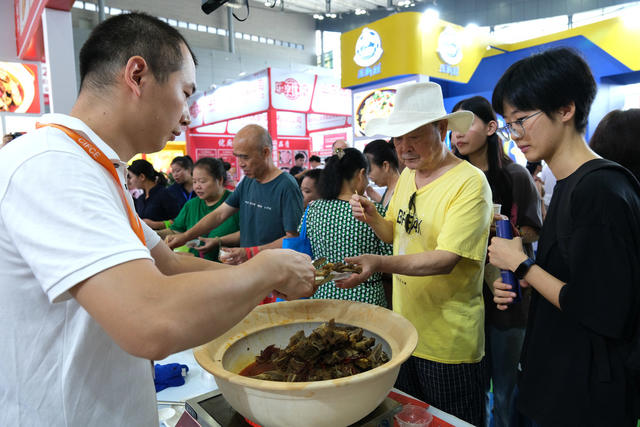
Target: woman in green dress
{"points": [[333, 231], [208, 183]]}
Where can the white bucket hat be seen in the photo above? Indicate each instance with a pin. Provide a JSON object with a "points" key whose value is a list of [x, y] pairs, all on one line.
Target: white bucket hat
{"points": [[415, 106]]}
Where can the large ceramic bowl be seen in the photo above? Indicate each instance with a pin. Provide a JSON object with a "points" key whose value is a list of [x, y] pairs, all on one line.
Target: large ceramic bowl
{"points": [[338, 402]]}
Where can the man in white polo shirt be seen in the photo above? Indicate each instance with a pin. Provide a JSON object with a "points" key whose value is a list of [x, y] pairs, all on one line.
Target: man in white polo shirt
{"points": [[88, 293]]}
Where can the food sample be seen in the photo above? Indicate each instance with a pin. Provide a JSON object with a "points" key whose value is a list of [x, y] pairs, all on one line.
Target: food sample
{"points": [[333, 270], [329, 352]]}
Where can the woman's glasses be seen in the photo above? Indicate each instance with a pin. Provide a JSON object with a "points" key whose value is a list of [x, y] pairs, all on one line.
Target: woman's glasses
{"points": [[409, 219]]}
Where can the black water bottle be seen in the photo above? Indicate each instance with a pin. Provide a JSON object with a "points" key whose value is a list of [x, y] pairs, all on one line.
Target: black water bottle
{"points": [[503, 229]]}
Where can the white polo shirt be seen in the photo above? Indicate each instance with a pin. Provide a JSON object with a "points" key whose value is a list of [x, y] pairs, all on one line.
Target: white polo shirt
{"points": [[61, 222]]}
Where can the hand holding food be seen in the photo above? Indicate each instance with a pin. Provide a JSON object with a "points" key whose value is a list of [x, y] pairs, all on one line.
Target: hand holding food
{"points": [[175, 240], [291, 272], [333, 271], [362, 208]]}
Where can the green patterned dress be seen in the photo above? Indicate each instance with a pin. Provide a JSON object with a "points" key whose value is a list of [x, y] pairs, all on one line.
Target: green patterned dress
{"points": [[335, 234]]}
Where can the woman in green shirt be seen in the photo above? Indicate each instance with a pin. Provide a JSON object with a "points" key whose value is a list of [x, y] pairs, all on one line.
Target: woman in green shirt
{"points": [[208, 184], [333, 231]]}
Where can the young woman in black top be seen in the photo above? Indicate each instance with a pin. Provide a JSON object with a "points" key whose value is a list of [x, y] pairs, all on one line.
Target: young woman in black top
{"points": [[586, 277]]}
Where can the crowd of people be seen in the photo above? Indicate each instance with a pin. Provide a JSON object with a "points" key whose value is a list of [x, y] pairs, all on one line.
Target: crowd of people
{"points": [[102, 289]]}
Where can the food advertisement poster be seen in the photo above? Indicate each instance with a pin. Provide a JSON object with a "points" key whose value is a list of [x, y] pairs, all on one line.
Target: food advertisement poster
{"points": [[372, 103], [19, 88], [211, 145]]}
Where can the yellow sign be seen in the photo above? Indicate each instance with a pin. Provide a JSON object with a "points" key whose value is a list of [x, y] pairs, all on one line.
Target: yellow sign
{"points": [[404, 44]]}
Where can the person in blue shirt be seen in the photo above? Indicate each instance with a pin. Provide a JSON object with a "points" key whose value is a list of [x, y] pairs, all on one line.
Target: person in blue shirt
{"points": [[269, 201], [182, 172]]}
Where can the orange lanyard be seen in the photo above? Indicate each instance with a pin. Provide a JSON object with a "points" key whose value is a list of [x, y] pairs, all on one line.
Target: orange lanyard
{"points": [[96, 154]]}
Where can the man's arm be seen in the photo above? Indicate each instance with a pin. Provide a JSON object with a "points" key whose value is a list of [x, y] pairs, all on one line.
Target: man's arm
{"points": [[239, 255], [429, 263], [170, 263], [203, 227], [151, 314]]}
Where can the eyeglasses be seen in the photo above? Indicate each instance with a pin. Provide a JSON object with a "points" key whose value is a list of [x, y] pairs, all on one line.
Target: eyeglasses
{"points": [[515, 129], [409, 219]]}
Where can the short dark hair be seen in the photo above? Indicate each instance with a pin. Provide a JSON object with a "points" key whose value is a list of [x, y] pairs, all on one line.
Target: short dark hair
{"points": [[185, 162], [115, 40], [214, 168], [299, 156], [315, 158], [340, 168], [548, 81], [314, 174], [381, 151], [616, 138]]}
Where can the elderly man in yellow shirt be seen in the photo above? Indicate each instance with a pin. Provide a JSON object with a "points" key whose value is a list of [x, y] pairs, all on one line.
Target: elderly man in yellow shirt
{"points": [[438, 221]]}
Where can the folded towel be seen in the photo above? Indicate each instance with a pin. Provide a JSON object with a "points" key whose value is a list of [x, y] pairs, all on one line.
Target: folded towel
{"points": [[169, 375]]}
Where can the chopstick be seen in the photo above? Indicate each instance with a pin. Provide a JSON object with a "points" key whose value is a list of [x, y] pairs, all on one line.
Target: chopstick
{"points": [[364, 215]]}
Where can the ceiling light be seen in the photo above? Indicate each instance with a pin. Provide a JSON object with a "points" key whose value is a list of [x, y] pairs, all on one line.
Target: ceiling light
{"points": [[360, 11], [330, 15], [318, 17]]}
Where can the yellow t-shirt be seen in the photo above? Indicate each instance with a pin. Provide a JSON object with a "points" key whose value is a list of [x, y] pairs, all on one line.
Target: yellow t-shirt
{"points": [[453, 213]]}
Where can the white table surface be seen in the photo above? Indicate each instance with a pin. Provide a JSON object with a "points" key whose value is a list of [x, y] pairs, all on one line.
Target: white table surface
{"points": [[199, 381]]}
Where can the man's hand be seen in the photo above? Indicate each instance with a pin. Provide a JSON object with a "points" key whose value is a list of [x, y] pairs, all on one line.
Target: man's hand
{"points": [[369, 266], [175, 240], [292, 272], [233, 256], [362, 208]]}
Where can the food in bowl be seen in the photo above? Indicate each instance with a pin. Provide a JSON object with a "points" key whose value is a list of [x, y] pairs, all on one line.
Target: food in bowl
{"points": [[338, 402], [377, 104], [329, 352]]}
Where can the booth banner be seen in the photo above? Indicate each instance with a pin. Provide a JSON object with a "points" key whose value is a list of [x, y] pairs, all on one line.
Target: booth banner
{"points": [[403, 44], [19, 88], [235, 125], [205, 152], [291, 91], [246, 96], [330, 98], [27, 18], [290, 123], [287, 148], [211, 145], [325, 121], [220, 127], [196, 111]]}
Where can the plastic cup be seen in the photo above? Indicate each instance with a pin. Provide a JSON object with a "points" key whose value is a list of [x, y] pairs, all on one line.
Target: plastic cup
{"points": [[413, 416], [223, 256], [496, 208]]}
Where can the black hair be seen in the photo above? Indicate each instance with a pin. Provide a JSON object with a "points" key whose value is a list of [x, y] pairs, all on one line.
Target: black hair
{"points": [[226, 165], [616, 138], [548, 81], [532, 166], [497, 176], [185, 162], [339, 169], [314, 174], [141, 166], [382, 151], [115, 40], [299, 156], [315, 158], [214, 167]]}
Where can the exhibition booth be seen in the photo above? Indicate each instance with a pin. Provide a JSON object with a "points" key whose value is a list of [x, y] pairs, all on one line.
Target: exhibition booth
{"points": [[296, 108], [409, 47]]}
